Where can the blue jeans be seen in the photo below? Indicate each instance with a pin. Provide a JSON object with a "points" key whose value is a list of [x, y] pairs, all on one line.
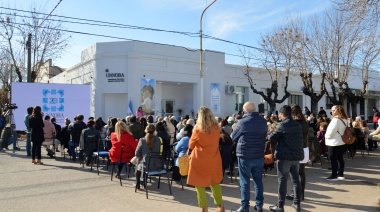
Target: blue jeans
{"points": [[72, 146], [246, 168], [284, 168], [28, 144]]}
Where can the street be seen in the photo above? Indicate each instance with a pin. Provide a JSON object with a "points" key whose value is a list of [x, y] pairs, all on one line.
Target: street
{"points": [[61, 185]]}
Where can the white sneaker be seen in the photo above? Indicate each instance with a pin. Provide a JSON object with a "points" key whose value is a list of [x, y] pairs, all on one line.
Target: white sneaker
{"points": [[341, 178]]}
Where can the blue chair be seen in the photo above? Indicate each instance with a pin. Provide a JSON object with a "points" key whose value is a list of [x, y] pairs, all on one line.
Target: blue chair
{"points": [[157, 157], [99, 154]]}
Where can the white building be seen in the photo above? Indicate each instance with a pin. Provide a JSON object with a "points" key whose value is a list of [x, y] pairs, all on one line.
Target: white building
{"points": [[115, 71]]}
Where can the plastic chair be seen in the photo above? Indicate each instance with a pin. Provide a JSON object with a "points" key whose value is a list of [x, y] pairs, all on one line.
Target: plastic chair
{"points": [[157, 157]]}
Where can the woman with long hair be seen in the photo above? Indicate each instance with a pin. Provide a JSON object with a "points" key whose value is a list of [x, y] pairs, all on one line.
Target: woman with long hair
{"points": [[37, 134], [336, 146], [205, 160], [300, 118], [122, 135], [147, 144]]}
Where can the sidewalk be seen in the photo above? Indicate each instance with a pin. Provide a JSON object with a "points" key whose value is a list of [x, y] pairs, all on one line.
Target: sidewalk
{"points": [[61, 185]]}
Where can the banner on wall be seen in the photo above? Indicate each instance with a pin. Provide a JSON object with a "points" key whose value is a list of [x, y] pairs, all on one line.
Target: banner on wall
{"points": [[148, 87], [56, 100], [215, 98]]}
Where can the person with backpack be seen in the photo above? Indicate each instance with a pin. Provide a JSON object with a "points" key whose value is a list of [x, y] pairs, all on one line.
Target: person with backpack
{"points": [[335, 143]]}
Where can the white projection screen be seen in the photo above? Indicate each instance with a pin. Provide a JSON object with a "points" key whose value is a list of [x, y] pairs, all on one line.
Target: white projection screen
{"points": [[56, 100]]}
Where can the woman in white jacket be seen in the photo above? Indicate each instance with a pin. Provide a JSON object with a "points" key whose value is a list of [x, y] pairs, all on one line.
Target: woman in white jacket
{"points": [[333, 139]]}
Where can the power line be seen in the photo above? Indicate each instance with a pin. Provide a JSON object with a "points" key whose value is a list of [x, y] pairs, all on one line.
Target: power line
{"points": [[103, 22], [51, 12], [106, 25], [117, 25]]}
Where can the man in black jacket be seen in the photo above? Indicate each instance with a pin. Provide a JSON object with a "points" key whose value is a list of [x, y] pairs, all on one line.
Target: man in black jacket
{"points": [[289, 152]]}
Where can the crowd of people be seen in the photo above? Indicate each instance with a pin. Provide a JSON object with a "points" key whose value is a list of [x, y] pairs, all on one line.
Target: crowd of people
{"points": [[216, 144]]}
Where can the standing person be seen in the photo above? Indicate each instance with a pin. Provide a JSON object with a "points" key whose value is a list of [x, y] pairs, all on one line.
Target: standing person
{"points": [[205, 160], [2, 121], [37, 134], [140, 112], [249, 134], [122, 135], [300, 118], [336, 146], [376, 117], [289, 152], [28, 131]]}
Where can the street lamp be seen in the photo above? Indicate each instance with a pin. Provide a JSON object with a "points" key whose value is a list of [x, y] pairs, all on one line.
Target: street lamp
{"points": [[201, 55]]}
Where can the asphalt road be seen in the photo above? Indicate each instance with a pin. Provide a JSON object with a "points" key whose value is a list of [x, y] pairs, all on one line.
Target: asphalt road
{"points": [[61, 185]]}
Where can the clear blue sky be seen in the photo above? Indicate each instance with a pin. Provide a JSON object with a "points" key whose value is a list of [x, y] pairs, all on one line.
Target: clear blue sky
{"points": [[241, 21]]}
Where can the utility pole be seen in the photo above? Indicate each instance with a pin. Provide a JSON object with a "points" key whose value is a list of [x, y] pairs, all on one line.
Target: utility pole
{"points": [[29, 46], [201, 55]]}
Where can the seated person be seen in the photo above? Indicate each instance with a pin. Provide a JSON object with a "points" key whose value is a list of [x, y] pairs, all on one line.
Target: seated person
{"points": [[49, 136], [321, 137], [358, 132], [374, 137], [147, 144], [122, 135], [181, 149], [90, 140]]}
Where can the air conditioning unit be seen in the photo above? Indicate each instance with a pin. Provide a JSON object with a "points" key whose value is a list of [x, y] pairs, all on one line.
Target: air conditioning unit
{"points": [[230, 89]]}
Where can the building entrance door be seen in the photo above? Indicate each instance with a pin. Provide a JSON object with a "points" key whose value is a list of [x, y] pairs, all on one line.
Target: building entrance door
{"points": [[167, 106]]}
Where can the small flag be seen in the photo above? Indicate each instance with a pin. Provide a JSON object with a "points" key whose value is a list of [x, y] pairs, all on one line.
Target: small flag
{"points": [[130, 109]]}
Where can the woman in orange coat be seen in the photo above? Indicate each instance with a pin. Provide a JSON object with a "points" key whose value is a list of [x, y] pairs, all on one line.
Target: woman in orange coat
{"points": [[205, 160], [122, 135]]}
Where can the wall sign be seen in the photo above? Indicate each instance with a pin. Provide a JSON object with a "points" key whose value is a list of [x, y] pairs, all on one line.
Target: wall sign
{"points": [[115, 77]]}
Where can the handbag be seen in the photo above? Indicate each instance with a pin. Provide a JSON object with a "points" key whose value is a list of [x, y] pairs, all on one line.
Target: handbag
{"points": [[183, 164], [269, 158], [134, 160], [348, 136]]}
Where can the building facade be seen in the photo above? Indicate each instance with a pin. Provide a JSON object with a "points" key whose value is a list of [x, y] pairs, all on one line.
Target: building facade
{"points": [[165, 79]]}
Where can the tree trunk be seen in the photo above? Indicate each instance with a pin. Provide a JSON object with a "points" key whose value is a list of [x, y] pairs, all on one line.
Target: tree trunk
{"points": [[354, 106], [314, 104]]}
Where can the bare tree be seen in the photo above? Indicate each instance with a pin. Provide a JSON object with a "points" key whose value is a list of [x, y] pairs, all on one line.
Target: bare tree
{"points": [[48, 41], [367, 58], [302, 64], [277, 59], [334, 45], [359, 10]]}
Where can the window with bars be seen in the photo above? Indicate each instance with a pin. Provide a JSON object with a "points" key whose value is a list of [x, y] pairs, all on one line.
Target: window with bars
{"points": [[295, 99], [329, 104]]}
